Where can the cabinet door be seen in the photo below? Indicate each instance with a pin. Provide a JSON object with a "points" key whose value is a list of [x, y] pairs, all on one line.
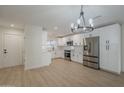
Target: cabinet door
{"points": [[73, 55], [75, 39], [104, 57], [92, 34], [80, 54], [114, 58], [77, 54], [104, 63], [64, 40], [110, 49], [61, 41]]}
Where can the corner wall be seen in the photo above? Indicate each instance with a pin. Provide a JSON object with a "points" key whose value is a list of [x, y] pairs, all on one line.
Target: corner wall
{"points": [[122, 46], [36, 54]]}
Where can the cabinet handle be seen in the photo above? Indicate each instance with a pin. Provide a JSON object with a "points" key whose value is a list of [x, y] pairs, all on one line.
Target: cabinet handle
{"points": [[106, 41], [106, 47]]}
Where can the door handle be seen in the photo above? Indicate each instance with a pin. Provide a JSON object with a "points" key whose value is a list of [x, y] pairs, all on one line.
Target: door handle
{"points": [[5, 51]]}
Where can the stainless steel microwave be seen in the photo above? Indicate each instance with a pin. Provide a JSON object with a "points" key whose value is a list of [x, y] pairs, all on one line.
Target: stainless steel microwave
{"points": [[69, 43]]}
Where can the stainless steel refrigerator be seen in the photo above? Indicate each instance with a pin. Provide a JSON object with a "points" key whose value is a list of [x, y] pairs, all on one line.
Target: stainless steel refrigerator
{"points": [[91, 52]]}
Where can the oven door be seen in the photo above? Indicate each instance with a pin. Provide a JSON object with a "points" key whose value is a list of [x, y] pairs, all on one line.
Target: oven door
{"points": [[67, 55]]}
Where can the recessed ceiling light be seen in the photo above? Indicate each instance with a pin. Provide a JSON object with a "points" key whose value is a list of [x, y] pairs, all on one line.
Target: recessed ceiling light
{"points": [[55, 28], [12, 25]]}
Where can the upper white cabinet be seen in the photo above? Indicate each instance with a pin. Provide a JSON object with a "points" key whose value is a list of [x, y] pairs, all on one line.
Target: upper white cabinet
{"points": [[61, 41], [91, 34], [77, 39]]}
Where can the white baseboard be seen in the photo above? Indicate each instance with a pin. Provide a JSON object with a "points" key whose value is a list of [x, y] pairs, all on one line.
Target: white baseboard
{"points": [[118, 73], [35, 67], [10, 66]]}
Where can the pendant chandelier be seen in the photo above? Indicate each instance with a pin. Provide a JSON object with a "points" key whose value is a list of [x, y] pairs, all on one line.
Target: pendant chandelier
{"points": [[81, 23]]}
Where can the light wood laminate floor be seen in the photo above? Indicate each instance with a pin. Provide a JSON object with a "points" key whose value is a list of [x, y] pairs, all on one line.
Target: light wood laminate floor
{"points": [[59, 73]]}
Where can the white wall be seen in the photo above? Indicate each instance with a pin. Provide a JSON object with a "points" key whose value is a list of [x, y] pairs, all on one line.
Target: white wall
{"points": [[122, 46], [36, 54]]}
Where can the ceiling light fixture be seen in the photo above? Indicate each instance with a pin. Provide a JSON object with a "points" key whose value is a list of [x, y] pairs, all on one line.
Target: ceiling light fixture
{"points": [[81, 23], [55, 28], [12, 25]]}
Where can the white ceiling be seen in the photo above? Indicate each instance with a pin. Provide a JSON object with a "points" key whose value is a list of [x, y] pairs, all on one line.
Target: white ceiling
{"points": [[60, 16]]}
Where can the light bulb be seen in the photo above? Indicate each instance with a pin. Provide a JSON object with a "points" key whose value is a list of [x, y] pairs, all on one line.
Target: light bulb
{"points": [[55, 28], [72, 25], [91, 22], [78, 21], [12, 25], [84, 28], [92, 25], [75, 27]]}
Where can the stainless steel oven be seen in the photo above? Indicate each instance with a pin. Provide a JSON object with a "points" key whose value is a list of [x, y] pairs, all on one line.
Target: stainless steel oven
{"points": [[69, 43], [67, 54]]}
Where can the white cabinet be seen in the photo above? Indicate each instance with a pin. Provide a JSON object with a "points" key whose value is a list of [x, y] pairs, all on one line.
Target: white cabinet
{"points": [[110, 53], [61, 41], [94, 33], [77, 39], [59, 52], [64, 41], [77, 54]]}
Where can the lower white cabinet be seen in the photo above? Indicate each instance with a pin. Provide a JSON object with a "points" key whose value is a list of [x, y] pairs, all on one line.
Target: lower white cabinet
{"points": [[77, 54], [58, 52]]}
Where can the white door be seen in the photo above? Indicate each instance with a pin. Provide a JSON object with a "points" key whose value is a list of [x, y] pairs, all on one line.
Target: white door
{"points": [[1, 50], [12, 51]]}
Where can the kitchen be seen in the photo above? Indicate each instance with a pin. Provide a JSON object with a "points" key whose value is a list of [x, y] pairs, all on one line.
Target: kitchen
{"points": [[107, 44]]}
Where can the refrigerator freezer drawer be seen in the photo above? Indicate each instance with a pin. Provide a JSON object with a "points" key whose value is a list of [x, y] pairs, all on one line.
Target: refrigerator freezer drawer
{"points": [[91, 59], [91, 64]]}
